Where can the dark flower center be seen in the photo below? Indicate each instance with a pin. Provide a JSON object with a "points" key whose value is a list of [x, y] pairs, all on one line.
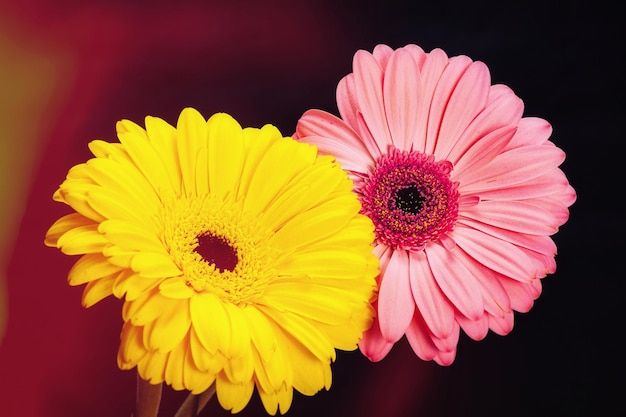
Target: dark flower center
{"points": [[217, 251], [409, 199]]}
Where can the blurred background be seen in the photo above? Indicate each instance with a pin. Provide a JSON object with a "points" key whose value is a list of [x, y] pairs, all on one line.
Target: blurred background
{"points": [[70, 69]]}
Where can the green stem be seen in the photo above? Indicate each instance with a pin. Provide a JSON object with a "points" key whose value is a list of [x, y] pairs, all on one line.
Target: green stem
{"points": [[195, 403], [148, 398]]}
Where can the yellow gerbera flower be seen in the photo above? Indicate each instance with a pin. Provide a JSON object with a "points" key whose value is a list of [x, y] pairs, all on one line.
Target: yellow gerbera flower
{"points": [[240, 254]]}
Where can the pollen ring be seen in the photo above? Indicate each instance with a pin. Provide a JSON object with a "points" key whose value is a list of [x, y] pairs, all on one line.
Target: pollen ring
{"points": [[410, 198]]}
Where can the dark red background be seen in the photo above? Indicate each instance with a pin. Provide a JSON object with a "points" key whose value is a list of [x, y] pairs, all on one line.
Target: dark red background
{"points": [[268, 62]]}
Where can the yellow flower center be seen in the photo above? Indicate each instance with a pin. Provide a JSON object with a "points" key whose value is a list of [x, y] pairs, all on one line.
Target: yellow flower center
{"points": [[219, 248]]}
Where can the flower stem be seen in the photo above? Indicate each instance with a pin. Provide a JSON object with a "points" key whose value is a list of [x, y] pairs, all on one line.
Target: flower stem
{"points": [[148, 398], [195, 403]]}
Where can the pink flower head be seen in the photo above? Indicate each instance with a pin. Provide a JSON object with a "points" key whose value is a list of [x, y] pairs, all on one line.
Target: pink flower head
{"points": [[464, 193]]}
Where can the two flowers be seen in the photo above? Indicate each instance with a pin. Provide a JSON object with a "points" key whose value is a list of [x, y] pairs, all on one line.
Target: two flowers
{"points": [[245, 258]]}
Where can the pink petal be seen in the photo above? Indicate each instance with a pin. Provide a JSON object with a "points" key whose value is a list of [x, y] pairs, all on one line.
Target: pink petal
{"points": [[401, 91], [501, 325], [546, 264], [535, 288], [383, 253], [429, 347], [368, 80], [521, 294], [531, 131], [375, 147], [557, 204], [499, 90], [495, 297], [382, 53], [349, 109], [512, 167], [435, 309], [347, 102], [475, 329], [549, 183], [373, 345], [395, 303], [419, 338], [445, 358], [496, 254], [447, 242], [503, 109], [541, 244], [434, 65], [468, 98], [334, 137], [566, 196], [448, 343], [418, 54], [456, 282], [517, 216], [441, 96], [483, 151]]}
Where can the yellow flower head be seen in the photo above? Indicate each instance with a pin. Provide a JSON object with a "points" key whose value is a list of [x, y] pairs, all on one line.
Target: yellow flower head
{"points": [[240, 254]]}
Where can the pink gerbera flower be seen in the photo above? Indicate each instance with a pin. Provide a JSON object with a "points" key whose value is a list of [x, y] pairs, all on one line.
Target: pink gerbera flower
{"points": [[464, 193]]}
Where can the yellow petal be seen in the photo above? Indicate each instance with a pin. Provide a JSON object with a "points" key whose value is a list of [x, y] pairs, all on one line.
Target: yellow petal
{"points": [[82, 240], [281, 162], [206, 361], [195, 380], [136, 286], [261, 332], [125, 179], [175, 366], [256, 143], [118, 256], [97, 290], [316, 224], [130, 236], [308, 300], [351, 236], [144, 309], [75, 195], [176, 288], [239, 330], [240, 369], [154, 265], [152, 366], [202, 171], [277, 400], [275, 373], [128, 126], [346, 335], [297, 196], [102, 149], [225, 141], [211, 323], [131, 349], [191, 128], [91, 267], [144, 156], [79, 174], [328, 261], [111, 205], [303, 331], [63, 225], [170, 327], [233, 397], [163, 137], [310, 374]]}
